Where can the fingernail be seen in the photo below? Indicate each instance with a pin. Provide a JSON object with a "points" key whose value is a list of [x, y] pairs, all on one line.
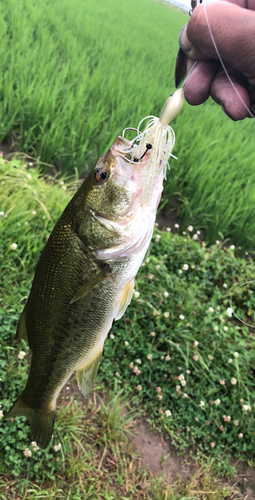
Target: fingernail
{"points": [[184, 41], [226, 113]]}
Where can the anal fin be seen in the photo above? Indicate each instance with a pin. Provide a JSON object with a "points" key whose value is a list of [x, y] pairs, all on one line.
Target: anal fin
{"points": [[87, 374], [125, 299]]}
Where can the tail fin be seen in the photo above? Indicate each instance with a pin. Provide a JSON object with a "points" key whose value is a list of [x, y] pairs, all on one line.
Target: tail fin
{"points": [[41, 424]]}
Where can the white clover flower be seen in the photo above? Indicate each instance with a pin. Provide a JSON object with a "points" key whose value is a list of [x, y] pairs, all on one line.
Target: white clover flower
{"points": [[136, 294], [228, 418], [166, 294], [180, 271], [236, 422], [168, 413], [230, 360], [236, 354], [168, 229], [34, 445], [112, 336], [190, 228], [217, 242], [29, 177], [160, 397], [117, 374], [166, 314], [150, 276], [181, 316], [14, 246], [147, 260], [210, 310], [153, 334], [178, 388], [27, 452], [34, 212], [21, 354], [1, 213], [229, 312], [195, 343], [183, 383], [57, 447], [176, 225], [195, 237], [218, 308], [157, 267], [184, 233], [126, 343], [232, 247], [161, 357], [225, 328], [222, 381], [158, 389], [30, 164], [246, 408], [193, 266], [61, 183], [185, 395], [181, 377], [131, 365], [240, 435], [198, 232], [64, 187], [233, 381], [195, 357], [167, 358], [149, 357], [225, 285], [215, 328], [212, 445], [210, 357], [188, 372], [138, 361], [1, 413], [185, 267], [201, 404], [158, 236], [217, 402], [139, 387]]}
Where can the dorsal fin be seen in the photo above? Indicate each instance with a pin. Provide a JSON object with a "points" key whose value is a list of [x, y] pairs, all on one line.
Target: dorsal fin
{"points": [[21, 332]]}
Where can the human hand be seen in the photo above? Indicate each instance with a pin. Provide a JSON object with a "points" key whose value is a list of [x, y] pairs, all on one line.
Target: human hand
{"points": [[232, 25]]}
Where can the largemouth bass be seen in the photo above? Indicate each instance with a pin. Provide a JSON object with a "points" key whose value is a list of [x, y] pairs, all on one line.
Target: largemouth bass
{"points": [[85, 275]]}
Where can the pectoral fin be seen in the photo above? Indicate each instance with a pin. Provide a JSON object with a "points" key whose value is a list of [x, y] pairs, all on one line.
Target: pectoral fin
{"points": [[105, 273], [87, 374], [125, 299], [21, 332]]}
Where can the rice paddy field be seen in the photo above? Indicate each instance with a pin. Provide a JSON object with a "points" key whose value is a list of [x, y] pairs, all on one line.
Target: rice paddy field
{"points": [[73, 76]]}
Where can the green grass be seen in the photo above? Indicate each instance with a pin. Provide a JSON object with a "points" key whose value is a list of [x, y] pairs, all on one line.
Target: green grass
{"points": [[191, 293], [73, 79]]}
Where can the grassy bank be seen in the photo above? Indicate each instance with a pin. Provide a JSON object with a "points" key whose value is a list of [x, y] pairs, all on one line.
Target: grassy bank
{"points": [[179, 354]]}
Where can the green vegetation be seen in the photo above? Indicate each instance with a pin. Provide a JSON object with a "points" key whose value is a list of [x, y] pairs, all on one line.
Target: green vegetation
{"points": [[73, 79], [178, 331]]}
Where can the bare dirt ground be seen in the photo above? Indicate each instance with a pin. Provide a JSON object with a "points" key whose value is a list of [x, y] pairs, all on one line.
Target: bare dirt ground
{"points": [[159, 458]]}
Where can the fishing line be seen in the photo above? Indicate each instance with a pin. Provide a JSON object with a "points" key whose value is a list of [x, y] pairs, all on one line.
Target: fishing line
{"points": [[223, 65]]}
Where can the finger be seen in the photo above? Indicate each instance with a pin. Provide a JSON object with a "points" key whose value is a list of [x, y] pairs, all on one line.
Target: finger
{"points": [[233, 30], [198, 84], [245, 4], [187, 48], [232, 99]]}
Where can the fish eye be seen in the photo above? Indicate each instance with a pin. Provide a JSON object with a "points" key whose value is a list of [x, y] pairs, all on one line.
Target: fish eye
{"points": [[101, 175]]}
